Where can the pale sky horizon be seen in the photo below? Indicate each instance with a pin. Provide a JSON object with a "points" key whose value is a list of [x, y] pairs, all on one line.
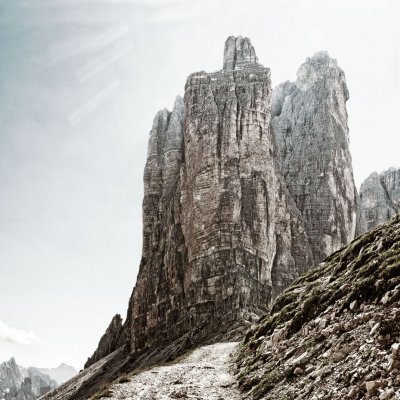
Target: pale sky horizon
{"points": [[80, 85]]}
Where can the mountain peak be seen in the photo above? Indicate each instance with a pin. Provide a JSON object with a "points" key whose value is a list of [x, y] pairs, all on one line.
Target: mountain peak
{"points": [[237, 50]]}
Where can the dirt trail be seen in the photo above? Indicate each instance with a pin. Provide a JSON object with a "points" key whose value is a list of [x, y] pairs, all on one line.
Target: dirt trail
{"points": [[204, 374]]}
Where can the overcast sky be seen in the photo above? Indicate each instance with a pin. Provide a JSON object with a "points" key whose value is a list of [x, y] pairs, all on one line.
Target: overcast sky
{"points": [[80, 83]]}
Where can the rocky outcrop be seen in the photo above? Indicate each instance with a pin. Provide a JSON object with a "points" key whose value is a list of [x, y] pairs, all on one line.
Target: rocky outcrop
{"points": [[113, 338], [334, 333], [310, 125], [380, 196], [221, 234]]}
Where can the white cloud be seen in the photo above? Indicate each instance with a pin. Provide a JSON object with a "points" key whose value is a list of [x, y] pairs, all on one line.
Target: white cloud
{"points": [[17, 336]]}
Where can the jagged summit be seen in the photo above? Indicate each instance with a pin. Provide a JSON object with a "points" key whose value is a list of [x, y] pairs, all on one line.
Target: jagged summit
{"points": [[310, 126], [319, 70], [380, 196], [238, 51]]}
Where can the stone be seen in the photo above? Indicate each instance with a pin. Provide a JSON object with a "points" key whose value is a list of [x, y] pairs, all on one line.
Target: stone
{"points": [[298, 371], [353, 305], [395, 349], [310, 125], [371, 386], [387, 394], [380, 196]]}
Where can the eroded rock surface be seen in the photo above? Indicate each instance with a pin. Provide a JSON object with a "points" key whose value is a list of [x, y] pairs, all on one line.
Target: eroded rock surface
{"points": [[380, 196], [333, 334], [221, 234], [310, 125]]}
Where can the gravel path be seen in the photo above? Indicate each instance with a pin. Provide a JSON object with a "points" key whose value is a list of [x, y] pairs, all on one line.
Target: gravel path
{"points": [[204, 374]]}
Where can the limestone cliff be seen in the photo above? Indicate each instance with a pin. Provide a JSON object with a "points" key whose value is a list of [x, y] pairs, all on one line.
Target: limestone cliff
{"points": [[222, 236], [310, 125], [380, 196]]}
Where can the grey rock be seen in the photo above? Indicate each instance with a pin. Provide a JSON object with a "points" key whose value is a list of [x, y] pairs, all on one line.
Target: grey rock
{"points": [[224, 230], [222, 236], [18, 383], [238, 52], [310, 125], [380, 196], [113, 338]]}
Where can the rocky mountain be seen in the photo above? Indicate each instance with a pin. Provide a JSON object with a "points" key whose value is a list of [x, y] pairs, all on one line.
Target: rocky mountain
{"points": [[380, 196], [224, 229], [221, 234], [309, 119], [18, 383], [61, 373], [334, 333]]}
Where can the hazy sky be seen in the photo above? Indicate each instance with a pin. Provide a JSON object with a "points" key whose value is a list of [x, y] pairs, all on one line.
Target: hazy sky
{"points": [[80, 83]]}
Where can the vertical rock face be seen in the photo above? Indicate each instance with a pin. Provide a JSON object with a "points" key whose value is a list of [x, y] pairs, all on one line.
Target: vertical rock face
{"points": [[222, 237], [238, 52], [159, 298], [380, 196], [310, 124]]}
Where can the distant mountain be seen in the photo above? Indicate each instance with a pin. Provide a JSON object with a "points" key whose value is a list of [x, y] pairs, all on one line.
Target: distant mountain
{"points": [[380, 196], [19, 383], [61, 373]]}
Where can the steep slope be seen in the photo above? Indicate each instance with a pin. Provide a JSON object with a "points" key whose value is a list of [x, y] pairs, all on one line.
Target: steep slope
{"points": [[310, 125], [334, 333], [380, 196]]}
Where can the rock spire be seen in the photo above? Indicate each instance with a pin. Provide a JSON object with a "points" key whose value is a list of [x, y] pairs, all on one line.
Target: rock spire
{"points": [[310, 125]]}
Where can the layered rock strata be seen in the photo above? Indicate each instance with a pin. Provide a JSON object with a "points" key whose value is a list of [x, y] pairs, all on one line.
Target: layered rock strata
{"points": [[380, 196], [222, 236], [310, 125]]}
